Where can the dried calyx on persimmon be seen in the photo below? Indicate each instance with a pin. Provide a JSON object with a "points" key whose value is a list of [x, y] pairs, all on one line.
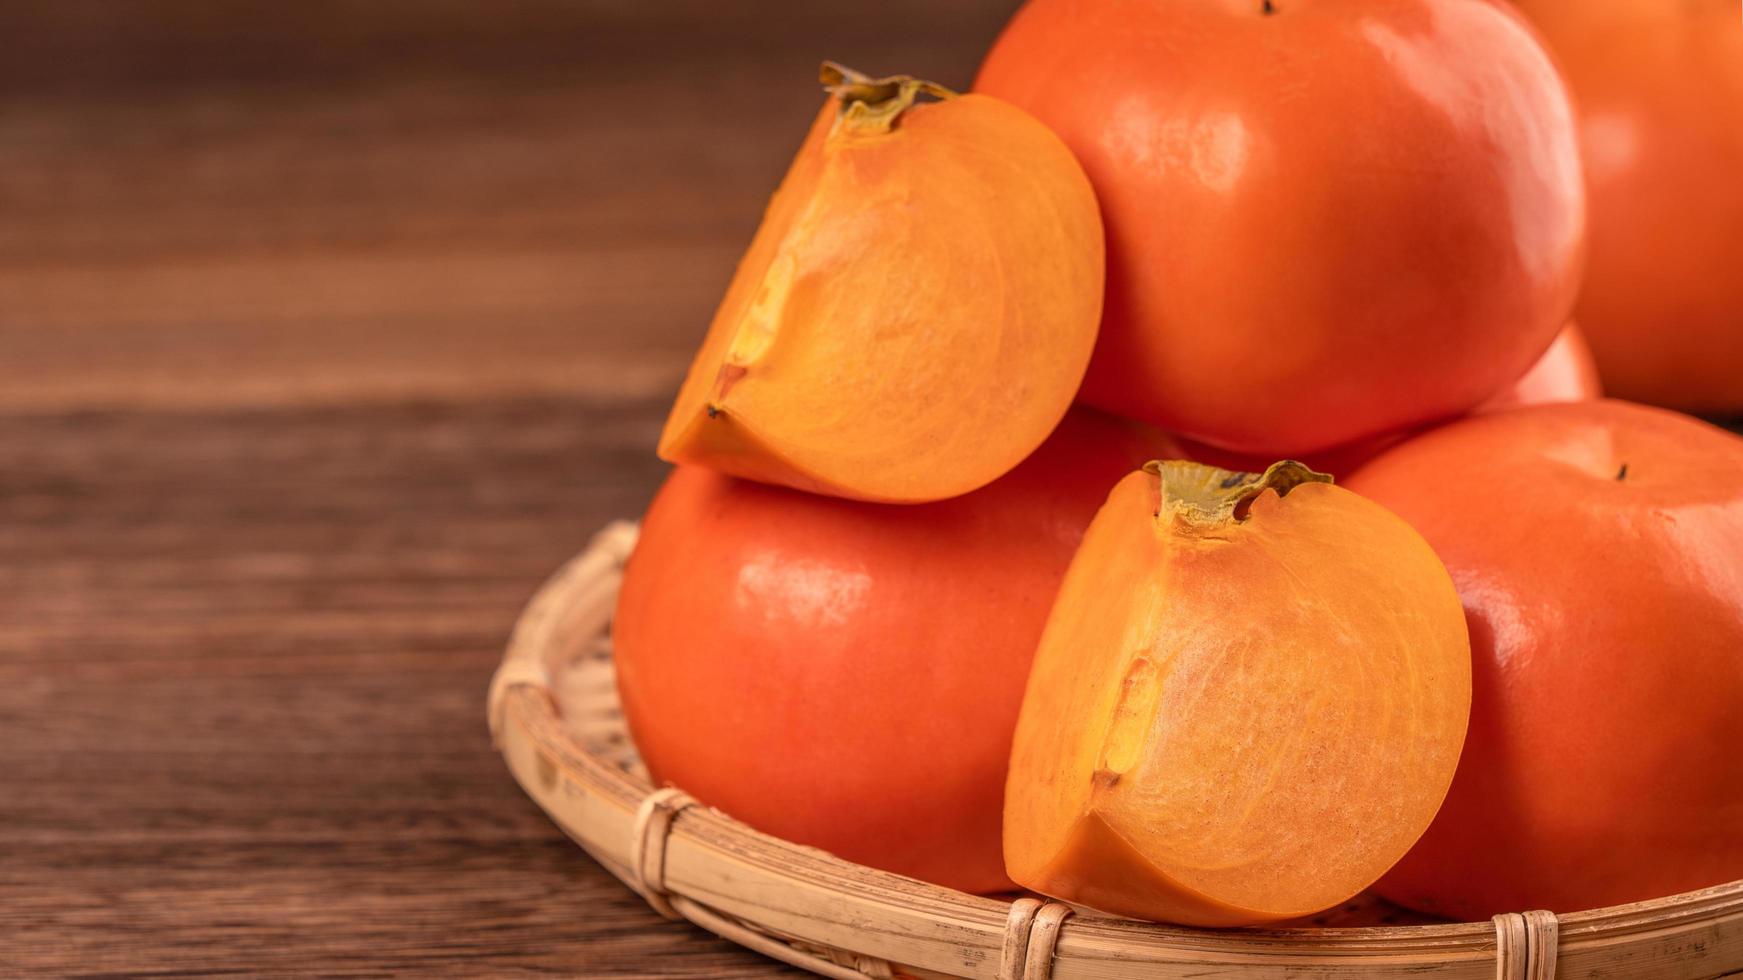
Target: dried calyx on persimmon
{"points": [[1247, 704], [916, 310]]}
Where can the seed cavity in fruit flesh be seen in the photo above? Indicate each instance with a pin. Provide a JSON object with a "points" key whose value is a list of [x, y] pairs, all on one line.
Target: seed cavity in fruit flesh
{"points": [[1130, 722]]}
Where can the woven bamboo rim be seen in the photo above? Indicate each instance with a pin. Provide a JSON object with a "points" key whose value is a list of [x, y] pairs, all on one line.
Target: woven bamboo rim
{"points": [[554, 714]]}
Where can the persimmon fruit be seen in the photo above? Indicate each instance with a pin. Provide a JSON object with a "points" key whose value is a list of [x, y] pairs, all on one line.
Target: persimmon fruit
{"points": [[1598, 548], [1565, 373], [1659, 87], [1333, 462], [916, 311], [1326, 219], [847, 675], [1247, 703]]}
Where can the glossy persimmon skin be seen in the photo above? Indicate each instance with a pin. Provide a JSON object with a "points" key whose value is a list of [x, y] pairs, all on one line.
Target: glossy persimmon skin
{"points": [[1659, 86], [1337, 219], [1338, 461], [1565, 373], [1604, 762], [847, 675]]}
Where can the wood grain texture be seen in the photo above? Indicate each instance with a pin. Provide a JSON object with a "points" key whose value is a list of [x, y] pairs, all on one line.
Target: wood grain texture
{"points": [[208, 204], [242, 660], [327, 330]]}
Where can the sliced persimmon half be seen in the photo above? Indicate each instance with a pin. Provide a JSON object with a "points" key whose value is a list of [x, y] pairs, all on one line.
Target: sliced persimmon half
{"points": [[1248, 702], [916, 310]]}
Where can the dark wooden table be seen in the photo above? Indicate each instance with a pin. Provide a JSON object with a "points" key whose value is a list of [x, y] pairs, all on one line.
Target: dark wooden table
{"points": [[326, 331]]}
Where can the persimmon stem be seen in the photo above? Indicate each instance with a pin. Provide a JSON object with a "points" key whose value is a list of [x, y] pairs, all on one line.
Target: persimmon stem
{"points": [[1201, 494], [872, 105]]}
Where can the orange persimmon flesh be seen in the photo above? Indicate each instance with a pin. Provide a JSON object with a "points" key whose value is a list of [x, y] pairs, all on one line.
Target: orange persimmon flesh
{"points": [[916, 311], [1247, 704]]}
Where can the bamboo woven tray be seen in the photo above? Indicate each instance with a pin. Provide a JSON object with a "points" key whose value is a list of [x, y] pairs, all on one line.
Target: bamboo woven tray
{"points": [[554, 712]]}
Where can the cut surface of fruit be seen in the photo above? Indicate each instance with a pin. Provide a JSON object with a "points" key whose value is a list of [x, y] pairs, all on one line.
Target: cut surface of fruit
{"points": [[916, 311], [1247, 704]]}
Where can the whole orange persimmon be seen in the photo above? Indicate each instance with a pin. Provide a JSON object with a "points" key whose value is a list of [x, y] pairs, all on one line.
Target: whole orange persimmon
{"points": [[847, 675], [1598, 550], [1326, 219], [1659, 87]]}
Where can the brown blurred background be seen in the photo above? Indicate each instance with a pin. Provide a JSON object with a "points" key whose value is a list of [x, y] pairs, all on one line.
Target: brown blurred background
{"points": [[209, 204], [327, 329]]}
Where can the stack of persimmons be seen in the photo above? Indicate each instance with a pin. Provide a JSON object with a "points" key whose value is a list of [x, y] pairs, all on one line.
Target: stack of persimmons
{"points": [[1003, 547]]}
